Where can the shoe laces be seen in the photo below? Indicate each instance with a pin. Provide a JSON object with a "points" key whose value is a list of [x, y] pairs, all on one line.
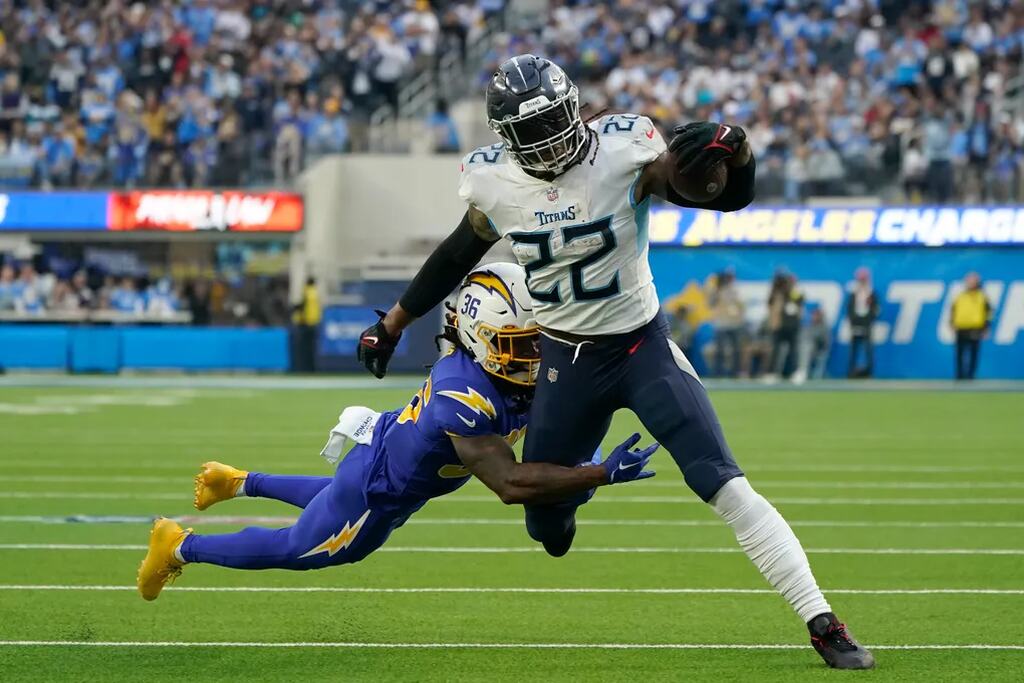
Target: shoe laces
{"points": [[170, 574], [837, 637]]}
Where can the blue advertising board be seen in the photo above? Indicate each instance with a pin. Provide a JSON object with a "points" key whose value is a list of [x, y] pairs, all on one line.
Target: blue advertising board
{"points": [[341, 326], [30, 211], [926, 226], [916, 287], [339, 335]]}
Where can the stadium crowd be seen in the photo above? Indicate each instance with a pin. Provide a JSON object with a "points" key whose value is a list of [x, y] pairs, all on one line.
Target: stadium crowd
{"points": [[38, 289], [839, 97], [204, 92], [903, 98]]}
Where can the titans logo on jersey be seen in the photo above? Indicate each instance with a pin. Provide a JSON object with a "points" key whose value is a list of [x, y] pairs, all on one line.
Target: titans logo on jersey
{"points": [[417, 460], [582, 237]]}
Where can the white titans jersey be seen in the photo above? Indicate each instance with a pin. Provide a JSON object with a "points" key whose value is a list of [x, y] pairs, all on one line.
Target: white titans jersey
{"points": [[581, 237]]}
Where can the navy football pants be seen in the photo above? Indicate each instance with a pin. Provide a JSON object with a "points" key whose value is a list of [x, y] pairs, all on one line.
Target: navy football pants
{"points": [[580, 387]]}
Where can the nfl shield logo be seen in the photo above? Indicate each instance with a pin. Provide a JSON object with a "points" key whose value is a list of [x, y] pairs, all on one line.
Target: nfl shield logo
{"points": [[552, 375], [552, 194]]}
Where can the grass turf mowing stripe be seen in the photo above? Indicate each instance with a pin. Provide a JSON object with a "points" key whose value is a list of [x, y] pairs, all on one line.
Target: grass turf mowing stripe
{"points": [[463, 521], [490, 646], [517, 589], [761, 484], [614, 499], [538, 549], [801, 467]]}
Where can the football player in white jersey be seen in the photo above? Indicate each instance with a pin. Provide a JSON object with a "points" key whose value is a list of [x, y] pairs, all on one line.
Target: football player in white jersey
{"points": [[572, 197]]}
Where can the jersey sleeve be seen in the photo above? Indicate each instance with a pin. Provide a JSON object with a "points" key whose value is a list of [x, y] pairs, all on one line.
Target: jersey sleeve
{"points": [[474, 176], [638, 137], [459, 408]]}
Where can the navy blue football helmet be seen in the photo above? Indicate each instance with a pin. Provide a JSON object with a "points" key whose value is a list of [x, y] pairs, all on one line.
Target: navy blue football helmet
{"points": [[534, 107]]}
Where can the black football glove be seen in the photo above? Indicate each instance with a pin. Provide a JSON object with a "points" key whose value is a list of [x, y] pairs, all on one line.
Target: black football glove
{"points": [[699, 146], [376, 347]]}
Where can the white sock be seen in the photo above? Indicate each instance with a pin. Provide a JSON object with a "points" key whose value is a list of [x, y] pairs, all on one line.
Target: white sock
{"points": [[771, 545], [177, 554], [240, 491]]}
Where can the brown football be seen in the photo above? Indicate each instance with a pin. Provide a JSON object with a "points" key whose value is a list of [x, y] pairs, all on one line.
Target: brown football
{"points": [[701, 188]]}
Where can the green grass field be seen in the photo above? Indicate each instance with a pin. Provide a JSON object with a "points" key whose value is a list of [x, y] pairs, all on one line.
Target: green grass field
{"points": [[911, 507]]}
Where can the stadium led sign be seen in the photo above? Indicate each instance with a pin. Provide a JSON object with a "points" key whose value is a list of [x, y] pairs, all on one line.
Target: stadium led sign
{"points": [[928, 226], [194, 210], [152, 210]]}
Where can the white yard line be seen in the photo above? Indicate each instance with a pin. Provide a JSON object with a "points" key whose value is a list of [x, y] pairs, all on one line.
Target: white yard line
{"points": [[95, 495], [759, 483], [486, 550], [513, 589], [92, 479], [803, 468], [824, 523], [781, 500], [515, 522], [485, 646], [458, 498], [675, 483]]}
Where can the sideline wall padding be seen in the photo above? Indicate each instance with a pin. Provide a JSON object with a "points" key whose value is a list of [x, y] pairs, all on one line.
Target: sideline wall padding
{"points": [[110, 349]]}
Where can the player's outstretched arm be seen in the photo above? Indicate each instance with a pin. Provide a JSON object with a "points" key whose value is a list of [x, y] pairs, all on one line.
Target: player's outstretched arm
{"points": [[443, 270], [492, 461], [695, 148]]}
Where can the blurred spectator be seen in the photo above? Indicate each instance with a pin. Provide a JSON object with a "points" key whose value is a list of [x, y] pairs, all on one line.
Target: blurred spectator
{"points": [[815, 347], [160, 299], [757, 352], [57, 163], [163, 166], [80, 287], [970, 317], [391, 58], [328, 129], [125, 297], [307, 321], [785, 314], [288, 138], [13, 101], [441, 129], [680, 330], [8, 288], [197, 297], [231, 153], [862, 309], [730, 321], [915, 166], [29, 296], [938, 152], [63, 298]]}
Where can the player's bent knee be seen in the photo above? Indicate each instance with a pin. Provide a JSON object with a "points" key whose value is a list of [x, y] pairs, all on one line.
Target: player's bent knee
{"points": [[708, 478], [544, 523], [737, 500]]}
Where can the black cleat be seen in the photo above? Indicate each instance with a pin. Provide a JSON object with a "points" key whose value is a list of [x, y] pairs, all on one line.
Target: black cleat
{"points": [[560, 546], [836, 645]]}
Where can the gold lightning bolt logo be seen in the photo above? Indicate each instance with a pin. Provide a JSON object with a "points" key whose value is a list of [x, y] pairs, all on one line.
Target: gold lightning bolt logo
{"points": [[493, 283], [473, 400], [340, 540]]}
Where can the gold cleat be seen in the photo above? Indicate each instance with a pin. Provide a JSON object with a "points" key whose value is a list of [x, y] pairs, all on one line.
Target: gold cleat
{"points": [[160, 566], [216, 482]]}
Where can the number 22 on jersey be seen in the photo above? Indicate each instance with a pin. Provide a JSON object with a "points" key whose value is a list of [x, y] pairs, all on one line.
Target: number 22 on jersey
{"points": [[600, 242]]}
